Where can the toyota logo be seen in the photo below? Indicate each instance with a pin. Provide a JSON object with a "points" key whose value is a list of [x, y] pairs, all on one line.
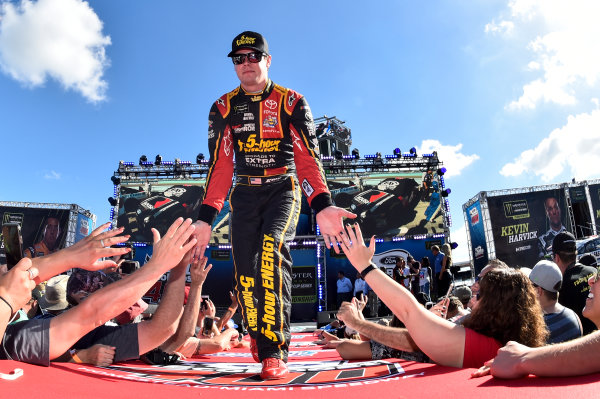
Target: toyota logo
{"points": [[271, 104]]}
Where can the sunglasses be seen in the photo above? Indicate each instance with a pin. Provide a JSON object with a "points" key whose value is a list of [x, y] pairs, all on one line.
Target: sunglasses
{"points": [[253, 58]]}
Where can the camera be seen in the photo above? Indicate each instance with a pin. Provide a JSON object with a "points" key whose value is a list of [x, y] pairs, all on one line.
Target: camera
{"points": [[208, 325], [129, 266], [204, 303]]}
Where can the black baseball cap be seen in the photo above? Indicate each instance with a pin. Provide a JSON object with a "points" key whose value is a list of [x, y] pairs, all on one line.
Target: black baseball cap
{"points": [[251, 40], [564, 242]]}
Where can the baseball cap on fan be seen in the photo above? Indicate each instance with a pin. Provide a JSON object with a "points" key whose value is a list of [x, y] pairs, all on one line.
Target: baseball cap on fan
{"points": [[547, 275], [251, 40], [564, 242]]}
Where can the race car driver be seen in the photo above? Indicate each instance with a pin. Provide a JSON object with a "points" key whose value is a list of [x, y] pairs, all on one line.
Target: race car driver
{"points": [[270, 131], [49, 243]]}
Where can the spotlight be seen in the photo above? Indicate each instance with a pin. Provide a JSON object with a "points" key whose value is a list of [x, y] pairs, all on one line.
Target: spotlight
{"points": [[112, 201], [413, 151], [453, 245], [199, 158], [397, 152], [158, 160], [355, 153], [339, 154], [441, 171], [116, 181], [446, 192], [143, 159]]}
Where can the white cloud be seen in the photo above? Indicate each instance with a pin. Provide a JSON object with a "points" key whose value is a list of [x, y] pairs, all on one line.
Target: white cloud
{"points": [[567, 52], [503, 27], [58, 39], [459, 236], [454, 161], [52, 175], [574, 147]]}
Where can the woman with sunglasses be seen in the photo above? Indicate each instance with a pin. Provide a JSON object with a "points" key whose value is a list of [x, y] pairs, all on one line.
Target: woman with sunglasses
{"points": [[506, 310]]}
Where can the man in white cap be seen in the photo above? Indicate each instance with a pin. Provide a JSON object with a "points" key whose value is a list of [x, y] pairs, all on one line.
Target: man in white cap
{"points": [[562, 322], [54, 300]]}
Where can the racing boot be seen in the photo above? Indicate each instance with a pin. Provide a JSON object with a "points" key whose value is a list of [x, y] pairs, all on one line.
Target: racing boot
{"points": [[254, 350], [273, 369]]}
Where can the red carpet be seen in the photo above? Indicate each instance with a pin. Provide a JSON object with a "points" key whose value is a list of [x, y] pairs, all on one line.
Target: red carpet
{"points": [[314, 372]]}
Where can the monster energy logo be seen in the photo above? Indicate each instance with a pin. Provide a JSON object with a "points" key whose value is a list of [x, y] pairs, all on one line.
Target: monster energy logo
{"points": [[516, 209]]}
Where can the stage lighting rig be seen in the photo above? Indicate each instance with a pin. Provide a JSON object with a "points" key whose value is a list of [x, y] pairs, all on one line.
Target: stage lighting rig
{"points": [[446, 192], [397, 152], [355, 153], [143, 160], [441, 171], [112, 201], [116, 181], [158, 160], [199, 158]]}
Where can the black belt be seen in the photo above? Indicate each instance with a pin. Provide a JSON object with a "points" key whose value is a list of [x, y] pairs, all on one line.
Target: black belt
{"points": [[261, 180]]}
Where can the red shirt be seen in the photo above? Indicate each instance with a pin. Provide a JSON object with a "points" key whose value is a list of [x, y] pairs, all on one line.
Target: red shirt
{"points": [[478, 349]]}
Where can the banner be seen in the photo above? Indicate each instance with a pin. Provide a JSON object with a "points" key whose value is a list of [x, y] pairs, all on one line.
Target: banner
{"points": [[392, 204], [304, 286], [143, 206], [524, 225], [85, 225], [594, 190], [44, 230], [479, 250]]}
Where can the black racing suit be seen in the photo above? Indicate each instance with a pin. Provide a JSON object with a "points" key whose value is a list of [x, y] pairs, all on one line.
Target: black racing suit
{"points": [[273, 138]]}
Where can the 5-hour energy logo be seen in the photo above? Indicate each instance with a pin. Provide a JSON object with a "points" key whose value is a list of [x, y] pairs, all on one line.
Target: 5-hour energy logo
{"points": [[254, 145]]}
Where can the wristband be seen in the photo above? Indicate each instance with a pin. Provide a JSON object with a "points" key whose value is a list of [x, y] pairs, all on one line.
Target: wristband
{"points": [[6, 302], [367, 270], [73, 353]]}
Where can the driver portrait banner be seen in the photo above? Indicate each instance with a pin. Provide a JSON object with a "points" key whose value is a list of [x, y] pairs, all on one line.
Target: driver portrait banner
{"points": [[44, 230], [524, 225]]}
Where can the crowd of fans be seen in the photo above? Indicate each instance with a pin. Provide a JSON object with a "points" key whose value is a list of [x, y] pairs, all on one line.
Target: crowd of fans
{"points": [[509, 323]]}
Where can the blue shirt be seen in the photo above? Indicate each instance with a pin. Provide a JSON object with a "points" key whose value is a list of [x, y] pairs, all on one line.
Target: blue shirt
{"points": [[437, 262], [344, 285]]}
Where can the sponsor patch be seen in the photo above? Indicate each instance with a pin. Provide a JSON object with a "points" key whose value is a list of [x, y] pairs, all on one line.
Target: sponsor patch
{"points": [[247, 127], [270, 121], [271, 104], [308, 190], [240, 108]]}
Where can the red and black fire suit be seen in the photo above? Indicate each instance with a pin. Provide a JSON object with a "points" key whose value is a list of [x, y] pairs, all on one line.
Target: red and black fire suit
{"points": [[272, 136]]}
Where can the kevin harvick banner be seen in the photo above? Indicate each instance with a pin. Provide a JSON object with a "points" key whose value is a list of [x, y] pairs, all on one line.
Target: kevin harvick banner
{"points": [[524, 225]]}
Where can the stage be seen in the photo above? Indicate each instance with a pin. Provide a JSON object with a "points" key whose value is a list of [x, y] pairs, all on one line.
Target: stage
{"points": [[314, 372]]}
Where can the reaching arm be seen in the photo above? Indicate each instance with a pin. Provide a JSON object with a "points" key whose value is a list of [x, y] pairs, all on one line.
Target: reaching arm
{"points": [[15, 290], [110, 301], [441, 340], [84, 254], [229, 312], [397, 338], [576, 357], [187, 323]]}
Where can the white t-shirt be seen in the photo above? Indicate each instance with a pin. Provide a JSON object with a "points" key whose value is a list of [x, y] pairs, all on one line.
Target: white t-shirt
{"points": [[423, 276], [406, 273]]}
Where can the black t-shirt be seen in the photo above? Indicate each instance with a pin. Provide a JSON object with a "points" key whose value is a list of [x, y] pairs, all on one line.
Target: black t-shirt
{"points": [[575, 290]]}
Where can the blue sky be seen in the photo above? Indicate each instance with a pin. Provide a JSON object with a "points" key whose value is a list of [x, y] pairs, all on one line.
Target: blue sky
{"points": [[505, 91]]}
